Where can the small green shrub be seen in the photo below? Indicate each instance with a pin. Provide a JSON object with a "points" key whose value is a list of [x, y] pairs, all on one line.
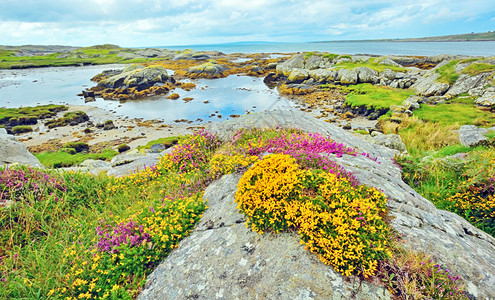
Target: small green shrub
{"points": [[71, 151], [78, 146], [21, 129]]}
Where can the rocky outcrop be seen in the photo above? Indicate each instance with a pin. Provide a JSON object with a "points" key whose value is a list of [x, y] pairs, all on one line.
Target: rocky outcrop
{"points": [[465, 83], [207, 70], [428, 85], [454, 242], [222, 259], [486, 98], [472, 136], [136, 76], [14, 152]]}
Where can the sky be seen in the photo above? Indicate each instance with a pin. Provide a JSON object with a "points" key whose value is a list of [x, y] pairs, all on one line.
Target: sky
{"points": [[148, 23]]}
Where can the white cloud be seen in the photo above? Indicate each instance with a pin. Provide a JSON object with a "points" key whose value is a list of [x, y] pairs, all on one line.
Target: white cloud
{"points": [[169, 22]]}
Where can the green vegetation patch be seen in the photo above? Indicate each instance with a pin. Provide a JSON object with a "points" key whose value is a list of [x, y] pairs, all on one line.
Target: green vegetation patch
{"points": [[66, 158], [95, 55], [460, 111], [21, 129], [166, 142], [371, 63], [370, 95], [478, 68], [69, 118], [28, 115], [447, 72]]}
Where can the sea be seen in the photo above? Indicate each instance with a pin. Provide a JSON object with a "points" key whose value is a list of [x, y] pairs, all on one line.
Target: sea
{"points": [[213, 100], [478, 48]]}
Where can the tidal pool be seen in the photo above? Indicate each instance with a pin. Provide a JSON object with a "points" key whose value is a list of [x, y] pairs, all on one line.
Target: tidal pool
{"points": [[234, 95]]}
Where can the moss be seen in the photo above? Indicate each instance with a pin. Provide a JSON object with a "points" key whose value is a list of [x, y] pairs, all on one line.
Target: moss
{"points": [[370, 63], [379, 97], [69, 118], [21, 129], [71, 151], [77, 146], [63, 159], [309, 54], [478, 68], [123, 148], [330, 56], [166, 142], [447, 72], [28, 115]]}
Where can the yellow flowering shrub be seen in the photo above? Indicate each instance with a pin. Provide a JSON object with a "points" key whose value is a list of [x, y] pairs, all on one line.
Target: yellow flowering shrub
{"points": [[221, 164], [340, 222]]}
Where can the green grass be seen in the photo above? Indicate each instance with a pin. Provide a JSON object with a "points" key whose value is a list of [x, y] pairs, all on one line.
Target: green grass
{"points": [[63, 159], [458, 112], [478, 68], [95, 55], [447, 73], [12, 116], [166, 142], [21, 129], [370, 63], [370, 95]]}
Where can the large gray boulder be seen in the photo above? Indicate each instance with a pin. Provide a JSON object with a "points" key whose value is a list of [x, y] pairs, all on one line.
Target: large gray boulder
{"points": [[209, 69], [392, 141], [366, 74], [298, 76], [222, 259], [472, 136], [323, 75], [136, 76], [346, 76], [14, 152], [453, 241]]}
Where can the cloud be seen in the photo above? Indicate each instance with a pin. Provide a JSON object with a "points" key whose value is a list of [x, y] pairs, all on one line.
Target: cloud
{"points": [[172, 22]]}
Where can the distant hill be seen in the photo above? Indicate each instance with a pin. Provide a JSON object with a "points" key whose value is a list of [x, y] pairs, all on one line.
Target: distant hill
{"points": [[483, 36]]}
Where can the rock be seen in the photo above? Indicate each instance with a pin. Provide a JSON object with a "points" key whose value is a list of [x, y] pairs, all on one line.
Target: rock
{"points": [[222, 259], [313, 62], [136, 76], [14, 152], [296, 62], [323, 75], [298, 76], [429, 86], [208, 70], [456, 244], [392, 141], [157, 148], [346, 76], [467, 82], [487, 98], [365, 74], [108, 125], [95, 167], [388, 74], [472, 136], [388, 62], [125, 164]]}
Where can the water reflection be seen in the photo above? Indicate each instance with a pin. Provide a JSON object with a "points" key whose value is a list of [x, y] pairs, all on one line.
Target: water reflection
{"points": [[234, 95]]}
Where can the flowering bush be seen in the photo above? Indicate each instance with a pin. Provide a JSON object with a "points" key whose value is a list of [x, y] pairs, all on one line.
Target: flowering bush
{"points": [[221, 164], [342, 223], [125, 252]]}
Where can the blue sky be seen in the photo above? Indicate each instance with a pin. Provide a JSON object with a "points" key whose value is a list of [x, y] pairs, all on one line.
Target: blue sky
{"points": [[145, 23]]}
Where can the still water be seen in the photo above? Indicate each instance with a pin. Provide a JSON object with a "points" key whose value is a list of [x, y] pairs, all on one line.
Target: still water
{"points": [[224, 97]]}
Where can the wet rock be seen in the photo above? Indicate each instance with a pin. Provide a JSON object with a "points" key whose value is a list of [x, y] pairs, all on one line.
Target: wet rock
{"points": [[108, 125], [136, 76], [472, 136]]}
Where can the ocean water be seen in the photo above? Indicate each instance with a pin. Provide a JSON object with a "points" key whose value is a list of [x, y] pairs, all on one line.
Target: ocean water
{"points": [[376, 48]]}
